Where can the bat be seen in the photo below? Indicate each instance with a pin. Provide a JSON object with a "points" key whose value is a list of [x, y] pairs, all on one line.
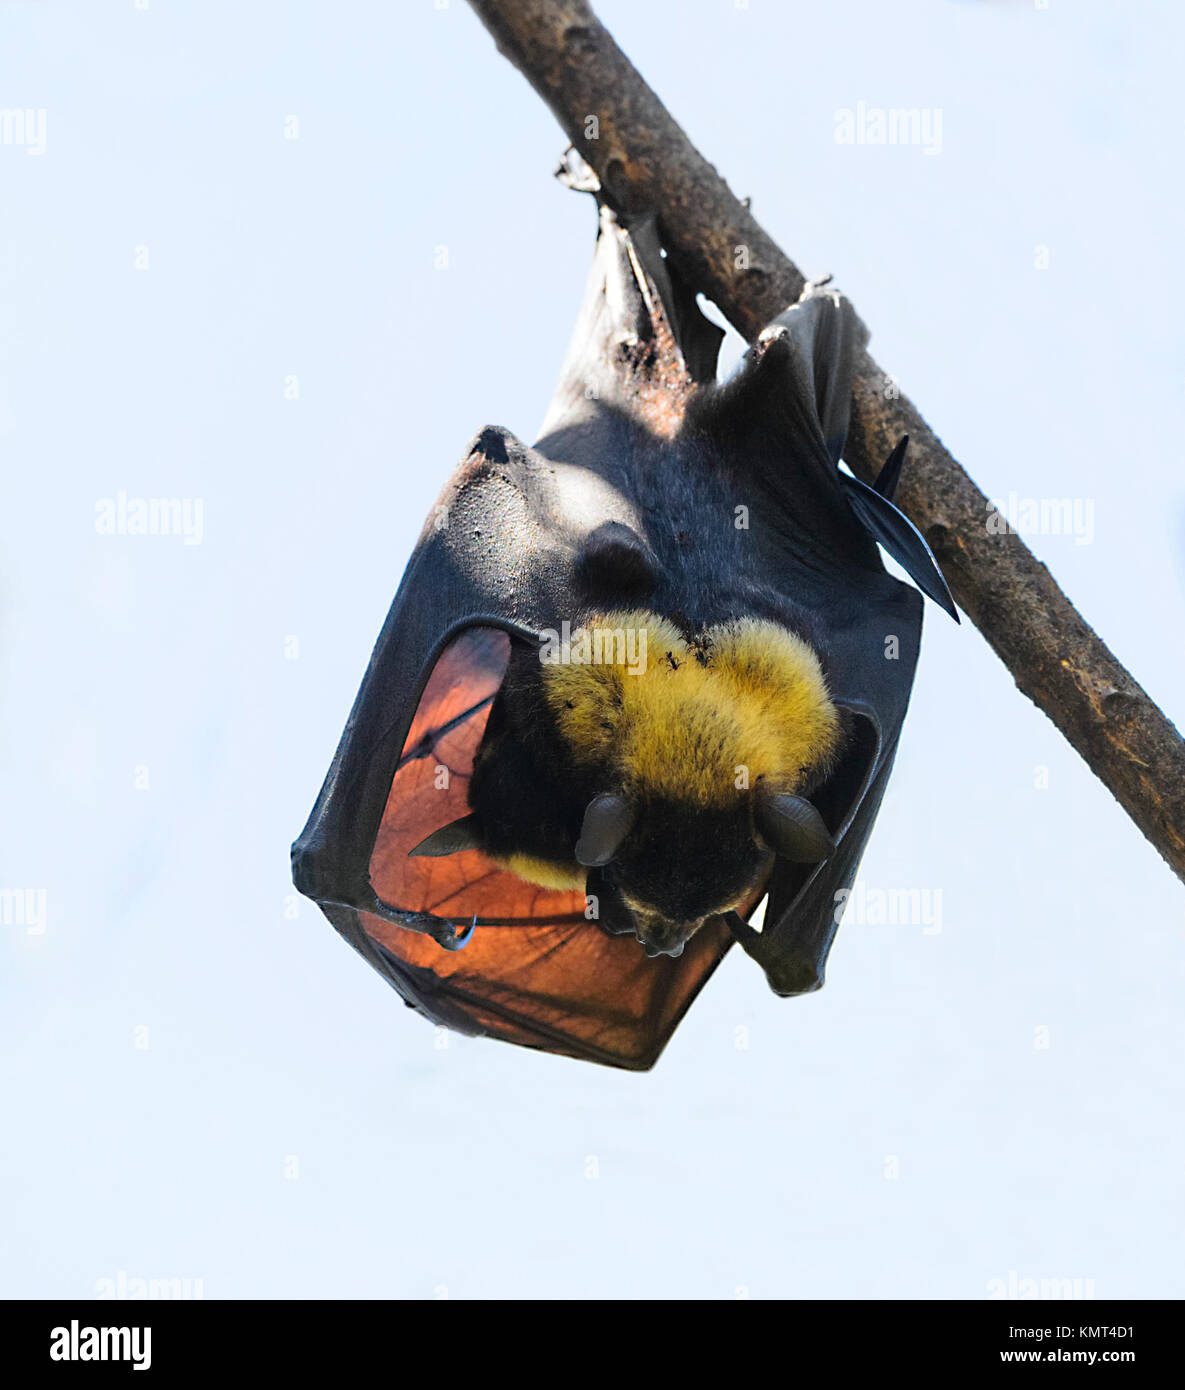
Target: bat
{"points": [[637, 679]]}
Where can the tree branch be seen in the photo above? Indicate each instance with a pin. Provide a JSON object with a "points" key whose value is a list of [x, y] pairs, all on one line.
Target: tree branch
{"points": [[646, 163]]}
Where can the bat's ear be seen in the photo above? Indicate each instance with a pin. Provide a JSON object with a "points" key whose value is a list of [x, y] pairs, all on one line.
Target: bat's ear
{"points": [[608, 820], [614, 561], [889, 525], [450, 839], [792, 828]]}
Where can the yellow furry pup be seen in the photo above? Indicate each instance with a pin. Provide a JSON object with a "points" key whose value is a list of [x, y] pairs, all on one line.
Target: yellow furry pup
{"points": [[701, 722]]}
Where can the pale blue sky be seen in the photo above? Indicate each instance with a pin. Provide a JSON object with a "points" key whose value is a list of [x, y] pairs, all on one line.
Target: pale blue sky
{"points": [[128, 658]]}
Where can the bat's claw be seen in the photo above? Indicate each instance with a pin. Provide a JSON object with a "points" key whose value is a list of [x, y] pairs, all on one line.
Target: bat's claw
{"points": [[463, 941]]}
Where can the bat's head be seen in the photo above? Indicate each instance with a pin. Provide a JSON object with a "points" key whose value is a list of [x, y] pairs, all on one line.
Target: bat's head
{"points": [[661, 869]]}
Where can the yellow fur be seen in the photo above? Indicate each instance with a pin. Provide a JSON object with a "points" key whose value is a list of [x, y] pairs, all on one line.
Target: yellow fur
{"points": [[544, 873], [745, 700]]}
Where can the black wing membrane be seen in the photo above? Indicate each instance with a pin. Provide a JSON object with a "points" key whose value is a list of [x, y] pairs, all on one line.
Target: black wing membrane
{"points": [[889, 525]]}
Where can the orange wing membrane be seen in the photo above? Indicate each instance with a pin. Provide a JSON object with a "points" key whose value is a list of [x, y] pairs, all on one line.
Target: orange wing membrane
{"points": [[535, 971]]}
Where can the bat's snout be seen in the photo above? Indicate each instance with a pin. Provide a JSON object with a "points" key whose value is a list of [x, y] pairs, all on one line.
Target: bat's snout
{"points": [[654, 951], [660, 937]]}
